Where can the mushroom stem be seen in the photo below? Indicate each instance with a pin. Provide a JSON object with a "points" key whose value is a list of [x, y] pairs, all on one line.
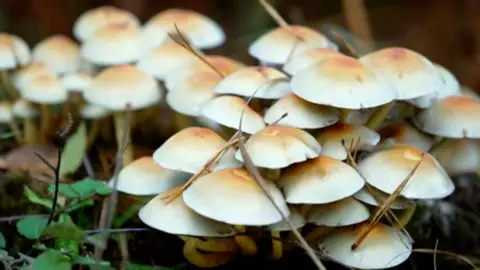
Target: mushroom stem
{"points": [[29, 131], [270, 174], [16, 131], [5, 81], [277, 245], [92, 135], [123, 135], [379, 116], [405, 217], [105, 128], [320, 231], [182, 121], [214, 244], [45, 120], [344, 115], [303, 211], [248, 247], [202, 260]]}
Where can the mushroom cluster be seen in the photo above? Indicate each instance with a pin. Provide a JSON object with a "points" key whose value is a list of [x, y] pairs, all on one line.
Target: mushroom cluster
{"points": [[336, 137]]}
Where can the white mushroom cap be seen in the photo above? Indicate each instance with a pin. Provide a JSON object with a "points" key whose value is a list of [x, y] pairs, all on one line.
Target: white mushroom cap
{"points": [[223, 64], [276, 147], [297, 220], [459, 156], [342, 82], [451, 88], [14, 51], [92, 20], [44, 89], [318, 181], [404, 133], [119, 86], [113, 44], [331, 139], [360, 117], [469, 92], [307, 58], [412, 74], [59, 52], [29, 72], [177, 218], [388, 168], [6, 115], [161, 61], [201, 31], [190, 95], [227, 111], [452, 117], [262, 82], [92, 111], [276, 45], [384, 247], [365, 196], [145, 177], [191, 148], [233, 196], [340, 213], [76, 81], [24, 109], [301, 113]]}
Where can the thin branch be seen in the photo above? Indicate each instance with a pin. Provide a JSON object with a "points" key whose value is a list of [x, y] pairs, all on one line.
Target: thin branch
{"points": [[274, 14], [14, 218]]}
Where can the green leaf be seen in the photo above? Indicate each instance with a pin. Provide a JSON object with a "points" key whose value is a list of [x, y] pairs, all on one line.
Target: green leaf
{"points": [[32, 226], [83, 188], [74, 151], [79, 205], [3, 241], [89, 261], [51, 259], [66, 230], [34, 198]]}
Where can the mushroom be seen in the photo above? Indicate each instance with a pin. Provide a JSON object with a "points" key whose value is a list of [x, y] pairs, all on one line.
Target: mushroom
{"points": [[177, 218], [410, 73], [113, 44], [342, 82], [222, 64], [384, 247], [306, 58], [331, 139], [275, 46], [25, 110], [7, 117], [458, 156], [236, 199], [60, 53], [276, 147], [14, 52], [345, 212], [97, 115], [198, 87], [300, 113], [227, 111], [75, 83], [297, 220], [365, 196], [430, 181], [190, 149], [92, 20], [28, 72], [469, 92], [122, 89], [200, 30], [404, 133]]}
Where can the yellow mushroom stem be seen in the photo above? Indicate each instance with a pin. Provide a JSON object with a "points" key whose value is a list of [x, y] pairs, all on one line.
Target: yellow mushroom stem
{"points": [[29, 131], [122, 131], [379, 116], [320, 231], [106, 128], [212, 244], [406, 110], [303, 211], [277, 245], [45, 120], [405, 217], [247, 245], [203, 260], [93, 133], [182, 121], [8, 85], [344, 115]]}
